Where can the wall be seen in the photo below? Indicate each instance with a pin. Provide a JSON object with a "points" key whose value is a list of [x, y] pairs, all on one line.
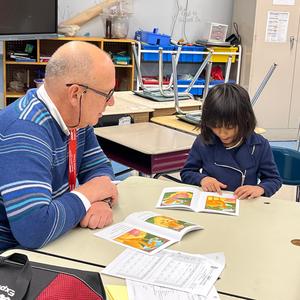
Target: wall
{"points": [[158, 13]]}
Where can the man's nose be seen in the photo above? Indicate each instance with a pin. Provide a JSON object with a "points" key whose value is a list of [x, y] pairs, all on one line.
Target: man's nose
{"points": [[111, 101]]}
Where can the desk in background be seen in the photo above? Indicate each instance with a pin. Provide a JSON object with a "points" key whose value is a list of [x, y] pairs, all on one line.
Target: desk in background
{"points": [[160, 108], [138, 112], [261, 262], [175, 123], [146, 147]]}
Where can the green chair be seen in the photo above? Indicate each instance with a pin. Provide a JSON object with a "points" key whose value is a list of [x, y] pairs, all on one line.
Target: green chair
{"points": [[288, 164]]}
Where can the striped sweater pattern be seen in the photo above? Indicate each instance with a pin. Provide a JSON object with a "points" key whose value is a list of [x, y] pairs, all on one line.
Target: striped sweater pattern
{"points": [[36, 205]]}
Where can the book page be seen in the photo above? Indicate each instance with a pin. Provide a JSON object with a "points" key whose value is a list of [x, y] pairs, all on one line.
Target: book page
{"points": [[132, 237], [190, 273], [220, 204], [179, 198], [161, 224]]}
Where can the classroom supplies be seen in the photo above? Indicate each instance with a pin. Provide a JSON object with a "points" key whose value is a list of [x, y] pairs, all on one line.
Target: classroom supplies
{"points": [[191, 198], [192, 273], [147, 232]]}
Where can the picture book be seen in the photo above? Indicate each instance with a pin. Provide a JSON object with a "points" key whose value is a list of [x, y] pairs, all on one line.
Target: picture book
{"points": [[147, 231], [193, 199]]}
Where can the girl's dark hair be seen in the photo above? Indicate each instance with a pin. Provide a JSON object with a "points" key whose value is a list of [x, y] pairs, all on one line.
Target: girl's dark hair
{"points": [[227, 105]]}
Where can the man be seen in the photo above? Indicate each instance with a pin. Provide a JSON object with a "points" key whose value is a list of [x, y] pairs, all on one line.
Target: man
{"points": [[39, 200]]}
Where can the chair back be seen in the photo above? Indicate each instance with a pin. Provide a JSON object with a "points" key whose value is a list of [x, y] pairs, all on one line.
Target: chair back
{"points": [[288, 164]]}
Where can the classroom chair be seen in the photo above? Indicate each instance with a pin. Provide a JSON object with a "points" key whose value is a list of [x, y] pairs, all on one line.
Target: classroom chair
{"points": [[288, 164]]}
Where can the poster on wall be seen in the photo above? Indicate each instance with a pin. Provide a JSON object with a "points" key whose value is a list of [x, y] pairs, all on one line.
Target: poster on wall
{"points": [[283, 2], [277, 25]]}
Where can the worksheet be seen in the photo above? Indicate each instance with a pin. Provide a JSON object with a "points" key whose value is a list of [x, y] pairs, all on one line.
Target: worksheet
{"points": [[192, 273]]}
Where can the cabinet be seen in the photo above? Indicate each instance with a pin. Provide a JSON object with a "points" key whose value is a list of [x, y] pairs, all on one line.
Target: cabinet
{"points": [[190, 60], [278, 108], [33, 56]]}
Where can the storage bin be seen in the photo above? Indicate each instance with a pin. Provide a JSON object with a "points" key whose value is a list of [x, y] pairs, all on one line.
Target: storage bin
{"points": [[155, 56], [152, 38], [216, 82], [223, 58], [196, 90], [191, 57]]}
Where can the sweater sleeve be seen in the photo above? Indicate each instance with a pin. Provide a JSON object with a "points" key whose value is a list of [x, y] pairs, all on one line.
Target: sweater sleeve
{"points": [[190, 173], [35, 216], [268, 173], [94, 162]]}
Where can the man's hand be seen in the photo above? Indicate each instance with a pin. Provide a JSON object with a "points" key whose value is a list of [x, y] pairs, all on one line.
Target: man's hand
{"points": [[99, 188], [249, 191], [98, 216], [210, 184]]}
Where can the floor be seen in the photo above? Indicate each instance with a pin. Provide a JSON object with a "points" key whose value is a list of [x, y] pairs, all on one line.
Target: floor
{"points": [[286, 192]]}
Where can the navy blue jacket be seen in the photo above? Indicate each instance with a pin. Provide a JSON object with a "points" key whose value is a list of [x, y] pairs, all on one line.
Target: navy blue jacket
{"points": [[253, 160]]}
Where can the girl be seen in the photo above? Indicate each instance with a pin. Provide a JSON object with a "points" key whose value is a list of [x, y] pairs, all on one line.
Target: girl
{"points": [[228, 154]]}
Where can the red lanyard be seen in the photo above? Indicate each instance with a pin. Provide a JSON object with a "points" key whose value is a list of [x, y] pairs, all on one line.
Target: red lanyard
{"points": [[72, 159]]}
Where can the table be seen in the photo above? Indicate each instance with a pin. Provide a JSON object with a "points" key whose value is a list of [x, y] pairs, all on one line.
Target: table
{"points": [[138, 112], [146, 147], [175, 123], [261, 262], [160, 108]]}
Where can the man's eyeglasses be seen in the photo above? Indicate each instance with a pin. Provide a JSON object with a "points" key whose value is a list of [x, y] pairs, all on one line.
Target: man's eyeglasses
{"points": [[106, 95]]}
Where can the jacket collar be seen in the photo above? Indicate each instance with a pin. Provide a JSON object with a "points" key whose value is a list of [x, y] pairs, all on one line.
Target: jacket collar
{"points": [[243, 158]]}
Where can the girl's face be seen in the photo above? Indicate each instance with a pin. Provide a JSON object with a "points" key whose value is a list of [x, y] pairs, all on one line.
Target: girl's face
{"points": [[227, 135]]}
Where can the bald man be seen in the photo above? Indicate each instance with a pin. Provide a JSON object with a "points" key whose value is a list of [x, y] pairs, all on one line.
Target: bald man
{"points": [[48, 145]]}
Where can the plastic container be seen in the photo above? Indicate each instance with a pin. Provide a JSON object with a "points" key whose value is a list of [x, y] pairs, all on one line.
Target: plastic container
{"points": [[191, 57], [196, 91], [152, 38], [223, 58], [155, 56]]}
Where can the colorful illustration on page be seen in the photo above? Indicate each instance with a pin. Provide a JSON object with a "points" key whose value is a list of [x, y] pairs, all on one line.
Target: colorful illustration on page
{"points": [[220, 203], [168, 222], [177, 198], [141, 240]]}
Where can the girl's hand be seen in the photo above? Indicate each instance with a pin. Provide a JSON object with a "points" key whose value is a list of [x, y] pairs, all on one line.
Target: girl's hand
{"points": [[210, 184], [249, 191]]}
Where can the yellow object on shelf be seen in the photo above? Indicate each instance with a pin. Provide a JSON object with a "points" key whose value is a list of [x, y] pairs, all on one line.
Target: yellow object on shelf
{"points": [[223, 58]]}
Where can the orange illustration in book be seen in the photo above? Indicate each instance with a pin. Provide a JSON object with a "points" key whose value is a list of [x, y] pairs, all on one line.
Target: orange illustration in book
{"points": [[220, 203], [141, 240], [168, 222], [177, 198]]}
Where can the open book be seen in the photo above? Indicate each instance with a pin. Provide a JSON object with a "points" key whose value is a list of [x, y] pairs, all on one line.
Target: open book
{"points": [[193, 199], [147, 231]]}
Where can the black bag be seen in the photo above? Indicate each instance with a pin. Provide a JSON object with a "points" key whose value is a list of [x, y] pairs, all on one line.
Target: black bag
{"points": [[22, 279]]}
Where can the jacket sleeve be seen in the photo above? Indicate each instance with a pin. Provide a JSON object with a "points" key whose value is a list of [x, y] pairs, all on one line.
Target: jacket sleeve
{"points": [[268, 173], [94, 162], [190, 173], [36, 215]]}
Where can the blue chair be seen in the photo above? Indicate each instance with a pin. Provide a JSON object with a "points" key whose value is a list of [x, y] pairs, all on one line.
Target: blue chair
{"points": [[288, 164]]}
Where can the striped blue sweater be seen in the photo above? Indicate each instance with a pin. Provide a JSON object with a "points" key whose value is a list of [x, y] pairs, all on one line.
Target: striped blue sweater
{"points": [[35, 203]]}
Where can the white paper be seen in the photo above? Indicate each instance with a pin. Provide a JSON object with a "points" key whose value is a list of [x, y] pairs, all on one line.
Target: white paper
{"points": [[138, 290], [277, 25], [176, 270], [283, 2]]}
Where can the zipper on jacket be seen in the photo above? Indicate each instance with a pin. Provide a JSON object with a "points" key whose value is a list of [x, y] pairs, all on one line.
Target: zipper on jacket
{"points": [[235, 169]]}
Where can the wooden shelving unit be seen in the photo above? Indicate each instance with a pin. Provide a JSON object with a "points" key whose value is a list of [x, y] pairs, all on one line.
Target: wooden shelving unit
{"points": [[26, 72]]}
